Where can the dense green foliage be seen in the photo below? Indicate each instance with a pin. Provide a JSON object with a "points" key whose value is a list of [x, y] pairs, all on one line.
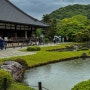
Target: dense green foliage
{"points": [[50, 32], [5, 74], [70, 11], [85, 85], [33, 48], [75, 28], [38, 32], [71, 22]]}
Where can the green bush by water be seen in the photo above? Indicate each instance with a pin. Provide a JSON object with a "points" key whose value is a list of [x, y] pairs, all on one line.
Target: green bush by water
{"points": [[85, 85], [5, 74]]}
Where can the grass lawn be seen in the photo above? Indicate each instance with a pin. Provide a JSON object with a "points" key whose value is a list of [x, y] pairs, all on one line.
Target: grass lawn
{"points": [[44, 56], [19, 86]]}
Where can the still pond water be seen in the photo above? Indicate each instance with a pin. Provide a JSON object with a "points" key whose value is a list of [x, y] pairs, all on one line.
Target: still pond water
{"points": [[59, 76]]}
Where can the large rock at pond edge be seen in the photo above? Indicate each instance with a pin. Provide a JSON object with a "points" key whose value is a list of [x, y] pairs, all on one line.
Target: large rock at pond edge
{"points": [[14, 68]]}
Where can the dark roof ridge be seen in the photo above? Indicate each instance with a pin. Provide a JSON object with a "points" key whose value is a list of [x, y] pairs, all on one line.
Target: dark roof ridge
{"points": [[22, 11]]}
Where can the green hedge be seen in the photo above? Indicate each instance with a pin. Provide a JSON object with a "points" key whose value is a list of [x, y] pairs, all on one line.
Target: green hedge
{"points": [[33, 48], [85, 85], [5, 74]]}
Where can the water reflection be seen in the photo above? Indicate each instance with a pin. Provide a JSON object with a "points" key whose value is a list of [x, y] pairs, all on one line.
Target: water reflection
{"points": [[59, 76]]}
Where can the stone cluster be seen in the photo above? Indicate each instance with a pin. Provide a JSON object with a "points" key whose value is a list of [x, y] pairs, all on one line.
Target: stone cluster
{"points": [[14, 68]]}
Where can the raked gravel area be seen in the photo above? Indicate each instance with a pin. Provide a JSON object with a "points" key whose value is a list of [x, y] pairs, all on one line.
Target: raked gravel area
{"points": [[12, 52]]}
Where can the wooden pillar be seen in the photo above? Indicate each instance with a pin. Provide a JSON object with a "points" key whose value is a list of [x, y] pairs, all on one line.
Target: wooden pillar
{"points": [[5, 83], [15, 30], [26, 34], [39, 85], [30, 32]]}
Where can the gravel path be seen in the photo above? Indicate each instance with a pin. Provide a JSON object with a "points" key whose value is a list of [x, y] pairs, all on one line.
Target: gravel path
{"points": [[12, 52]]}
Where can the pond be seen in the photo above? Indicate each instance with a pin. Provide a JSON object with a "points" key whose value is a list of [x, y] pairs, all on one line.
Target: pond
{"points": [[59, 76]]}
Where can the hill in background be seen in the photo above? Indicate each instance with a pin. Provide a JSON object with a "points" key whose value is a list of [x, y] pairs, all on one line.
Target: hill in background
{"points": [[71, 10]]}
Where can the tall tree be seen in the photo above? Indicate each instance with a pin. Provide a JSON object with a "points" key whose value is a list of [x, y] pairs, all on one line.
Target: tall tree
{"points": [[51, 31], [69, 26]]}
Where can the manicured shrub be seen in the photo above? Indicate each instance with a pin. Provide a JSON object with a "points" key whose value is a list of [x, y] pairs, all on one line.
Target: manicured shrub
{"points": [[33, 48], [5, 74], [85, 85]]}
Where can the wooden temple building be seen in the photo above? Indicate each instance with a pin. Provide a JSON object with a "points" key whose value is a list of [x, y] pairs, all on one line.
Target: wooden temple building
{"points": [[15, 25]]}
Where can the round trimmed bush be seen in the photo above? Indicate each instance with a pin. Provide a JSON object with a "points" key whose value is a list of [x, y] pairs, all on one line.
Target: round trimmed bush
{"points": [[5, 74], [84, 85], [33, 48]]}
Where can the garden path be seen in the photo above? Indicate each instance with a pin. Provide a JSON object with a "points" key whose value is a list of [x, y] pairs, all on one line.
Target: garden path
{"points": [[12, 52]]}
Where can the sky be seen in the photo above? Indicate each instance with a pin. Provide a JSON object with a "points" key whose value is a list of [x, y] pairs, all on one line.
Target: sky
{"points": [[38, 8]]}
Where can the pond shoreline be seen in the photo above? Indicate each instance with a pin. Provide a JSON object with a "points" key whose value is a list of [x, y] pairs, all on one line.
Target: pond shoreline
{"points": [[56, 61], [62, 69]]}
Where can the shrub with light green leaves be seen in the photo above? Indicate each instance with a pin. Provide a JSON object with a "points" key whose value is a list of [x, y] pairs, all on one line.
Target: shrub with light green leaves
{"points": [[5, 74], [33, 48], [84, 85]]}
